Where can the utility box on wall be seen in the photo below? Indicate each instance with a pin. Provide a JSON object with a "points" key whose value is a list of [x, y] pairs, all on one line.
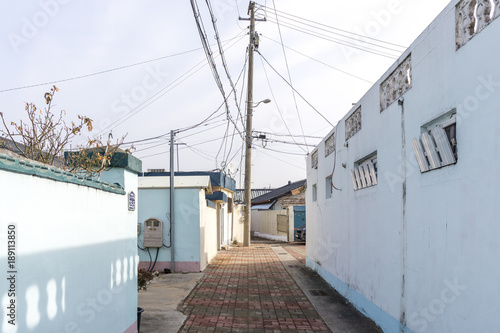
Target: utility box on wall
{"points": [[153, 233]]}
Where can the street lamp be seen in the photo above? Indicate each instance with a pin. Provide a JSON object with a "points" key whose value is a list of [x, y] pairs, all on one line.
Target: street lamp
{"points": [[248, 170], [265, 101]]}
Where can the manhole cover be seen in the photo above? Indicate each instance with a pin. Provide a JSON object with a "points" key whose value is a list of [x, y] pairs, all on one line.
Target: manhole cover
{"points": [[282, 253], [316, 292]]}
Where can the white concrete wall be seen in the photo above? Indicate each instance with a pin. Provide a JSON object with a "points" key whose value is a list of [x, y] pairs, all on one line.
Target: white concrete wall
{"points": [[414, 252], [76, 256], [208, 232], [226, 219], [265, 223], [238, 225]]}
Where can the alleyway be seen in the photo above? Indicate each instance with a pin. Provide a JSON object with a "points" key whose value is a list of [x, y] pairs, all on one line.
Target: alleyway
{"points": [[252, 290]]}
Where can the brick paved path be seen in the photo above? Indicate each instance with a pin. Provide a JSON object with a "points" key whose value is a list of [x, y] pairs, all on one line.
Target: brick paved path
{"points": [[298, 250], [249, 290]]}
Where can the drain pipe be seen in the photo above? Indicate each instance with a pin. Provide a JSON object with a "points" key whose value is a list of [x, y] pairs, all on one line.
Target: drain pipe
{"points": [[172, 224]]}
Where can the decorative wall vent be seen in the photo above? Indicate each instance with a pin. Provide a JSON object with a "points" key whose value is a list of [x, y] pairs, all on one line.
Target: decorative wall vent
{"points": [[314, 160], [353, 124], [330, 144], [472, 16], [364, 174], [396, 84], [436, 147]]}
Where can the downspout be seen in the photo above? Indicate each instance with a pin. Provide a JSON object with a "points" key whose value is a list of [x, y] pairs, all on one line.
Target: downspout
{"points": [[402, 318]]}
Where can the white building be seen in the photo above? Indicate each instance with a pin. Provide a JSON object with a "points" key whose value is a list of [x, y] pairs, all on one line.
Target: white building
{"points": [[411, 235]]}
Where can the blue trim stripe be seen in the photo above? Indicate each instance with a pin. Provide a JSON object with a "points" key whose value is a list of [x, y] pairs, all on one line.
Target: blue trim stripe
{"points": [[379, 316]]}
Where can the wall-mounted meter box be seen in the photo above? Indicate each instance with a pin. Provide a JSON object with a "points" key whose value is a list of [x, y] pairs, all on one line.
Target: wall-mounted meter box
{"points": [[153, 233]]}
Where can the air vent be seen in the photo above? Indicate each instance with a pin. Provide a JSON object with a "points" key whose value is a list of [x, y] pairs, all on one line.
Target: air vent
{"points": [[433, 150], [364, 173]]}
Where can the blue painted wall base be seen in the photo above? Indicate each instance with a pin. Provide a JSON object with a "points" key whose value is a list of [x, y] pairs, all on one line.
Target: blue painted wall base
{"points": [[386, 322]]}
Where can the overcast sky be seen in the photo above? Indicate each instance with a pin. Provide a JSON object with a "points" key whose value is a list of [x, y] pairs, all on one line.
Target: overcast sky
{"points": [[88, 47]]}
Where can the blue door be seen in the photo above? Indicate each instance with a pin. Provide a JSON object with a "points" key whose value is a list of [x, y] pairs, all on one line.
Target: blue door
{"points": [[299, 217]]}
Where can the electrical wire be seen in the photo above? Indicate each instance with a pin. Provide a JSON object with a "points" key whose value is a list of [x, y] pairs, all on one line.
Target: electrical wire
{"points": [[156, 258], [213, 113], [335, 159], [294, 89], [262, 150], [341, 30], [200, 152], [221, 53], [209, 54], [378, 43], [290, 135], [322, 63], [107, 70], [336, 41], [290, 77], [161, 92], [286, 142], [205, 130], [100, 72], [150, 260], [333, 171], [276, 103], [283, 152], [225, 161]]}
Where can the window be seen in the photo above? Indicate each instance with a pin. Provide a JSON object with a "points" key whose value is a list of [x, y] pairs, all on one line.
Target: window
{"points": [[314, 160], [328, 187], [364, 173], [353, 124], [315, 193], [396, 84], [471, 17], [330, 144], [437, 146]]}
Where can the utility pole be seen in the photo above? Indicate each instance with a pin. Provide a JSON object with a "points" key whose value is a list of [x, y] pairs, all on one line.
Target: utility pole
{"points": [[254, 44], [172, 171]]}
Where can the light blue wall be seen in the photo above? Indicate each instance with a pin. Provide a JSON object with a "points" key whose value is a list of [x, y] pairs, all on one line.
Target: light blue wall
{"points": [[155, 203]]}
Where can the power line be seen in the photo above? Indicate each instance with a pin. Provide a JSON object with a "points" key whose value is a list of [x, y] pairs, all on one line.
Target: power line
{"points": [[290, 135], [275, 102], [285, 142], [222, 57], [336, 41], [294, 89], [290, 76], [152, 99], [283, 152], [378, 45], [209, 54], [341, 30], [262, 150], [205, 130], [107, 70], [321, 62], [100, 72]]}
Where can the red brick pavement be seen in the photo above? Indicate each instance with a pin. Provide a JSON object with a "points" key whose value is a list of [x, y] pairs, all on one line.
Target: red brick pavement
{"points": [[249, 290]]}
